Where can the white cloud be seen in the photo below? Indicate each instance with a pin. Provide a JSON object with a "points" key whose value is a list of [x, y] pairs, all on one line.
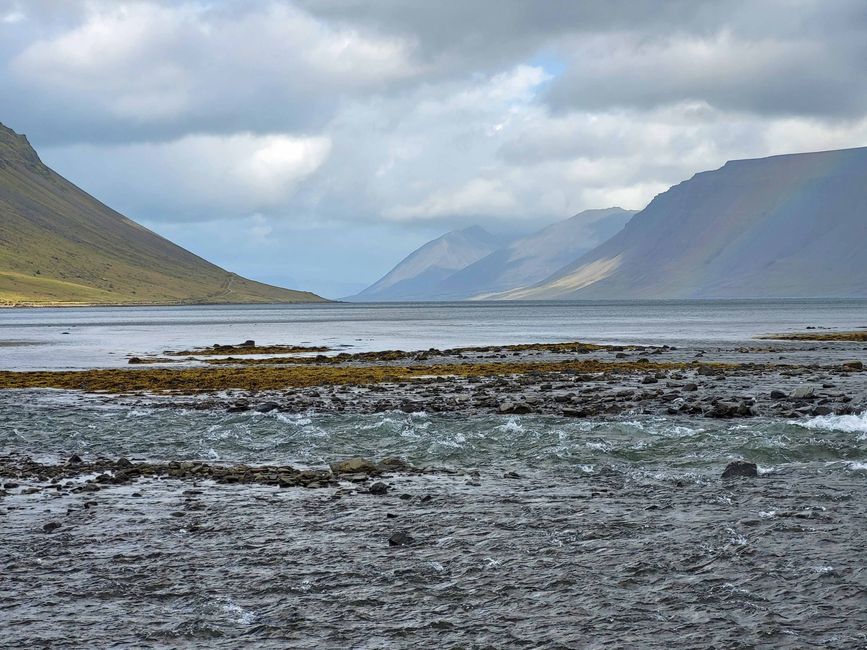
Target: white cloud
{"points": [[208, 176]]}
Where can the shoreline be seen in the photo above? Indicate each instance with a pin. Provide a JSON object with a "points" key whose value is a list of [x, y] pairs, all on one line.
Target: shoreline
{"points": [[785, 379]]}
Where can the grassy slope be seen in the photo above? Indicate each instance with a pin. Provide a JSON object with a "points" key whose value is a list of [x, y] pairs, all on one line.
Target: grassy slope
{"points": [[59, 245]]}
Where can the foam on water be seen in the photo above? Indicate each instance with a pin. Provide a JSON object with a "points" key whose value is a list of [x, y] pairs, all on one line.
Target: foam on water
{"points": [[846, 423]]}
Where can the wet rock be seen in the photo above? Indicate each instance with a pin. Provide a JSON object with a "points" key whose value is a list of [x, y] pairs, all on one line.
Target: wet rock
{"points": [[514, 407], [690, 388], [249, 343], [75, 459], [778, 394], [123, 462], [803, 392], [650, 379], [740, 469], [395, 464], [511, 475], [822, 410], [267, 407], [853, 365], [135, 361], [401, 538], [356, 465], [378, 488], [50, 527]]}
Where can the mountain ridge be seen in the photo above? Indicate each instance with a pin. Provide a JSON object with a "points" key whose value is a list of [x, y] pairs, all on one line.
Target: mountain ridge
{"points": [[59, 245], [788, 226]]}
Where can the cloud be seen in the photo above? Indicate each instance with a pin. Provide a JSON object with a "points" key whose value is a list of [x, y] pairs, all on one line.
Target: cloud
{"points": [[364, 126], [197, 177], [144, 70]]}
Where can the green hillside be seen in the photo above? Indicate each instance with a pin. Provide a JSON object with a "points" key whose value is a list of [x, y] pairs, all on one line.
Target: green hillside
{"points": [[59, 245]]}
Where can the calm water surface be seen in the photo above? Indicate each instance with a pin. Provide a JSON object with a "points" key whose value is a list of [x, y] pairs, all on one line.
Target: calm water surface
{"points": [[98, 337]]}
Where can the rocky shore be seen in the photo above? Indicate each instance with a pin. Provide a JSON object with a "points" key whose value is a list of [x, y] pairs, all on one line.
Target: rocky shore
{"points": [[783, 379]]}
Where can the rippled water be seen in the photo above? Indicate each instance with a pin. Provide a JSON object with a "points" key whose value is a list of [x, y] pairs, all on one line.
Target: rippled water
{"points": [[615, 533]]}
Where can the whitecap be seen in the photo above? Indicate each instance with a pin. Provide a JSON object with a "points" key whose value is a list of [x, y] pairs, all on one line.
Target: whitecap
{"points": [[846, 423], [511, 426]]}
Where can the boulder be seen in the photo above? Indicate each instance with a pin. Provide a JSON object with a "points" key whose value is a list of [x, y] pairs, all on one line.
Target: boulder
{"points": [[803, 392], [853, 365], [740, 469], [356, 465], [778, 394]]}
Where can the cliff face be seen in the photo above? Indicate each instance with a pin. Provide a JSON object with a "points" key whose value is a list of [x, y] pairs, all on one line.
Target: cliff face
{"points": [[785, 226], [60, 245]]}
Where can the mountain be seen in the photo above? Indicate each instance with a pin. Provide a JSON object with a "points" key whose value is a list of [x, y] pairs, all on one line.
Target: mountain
{"points": [[533, 258], [784, 226], [59, 245], [421, 271]]}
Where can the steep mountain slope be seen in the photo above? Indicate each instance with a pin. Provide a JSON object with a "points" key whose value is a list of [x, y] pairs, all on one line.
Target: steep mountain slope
{"points": [[530, 259], [784, 226], [421, 271], [59, 245]]}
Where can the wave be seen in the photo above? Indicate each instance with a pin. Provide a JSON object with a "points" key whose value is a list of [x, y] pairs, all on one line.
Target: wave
{"points": [[845, 423]]}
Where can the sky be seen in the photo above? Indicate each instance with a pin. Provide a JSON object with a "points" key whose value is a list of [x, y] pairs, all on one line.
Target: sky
{"points": [[314, 143]]}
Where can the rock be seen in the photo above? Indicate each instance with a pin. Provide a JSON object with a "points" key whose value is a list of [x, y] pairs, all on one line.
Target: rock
{"points": [[803, 392], [511, 475], [823, 410], [401, 538], [394, 463], [356, 465], [722, 410], [853, 365], [778, 394], [514, 407], [650, 379], [123, 462], [574, 413], [378, 488], [249, 343], [740, 469], [50, 527], [75, 459], [690, 388], [135, 361], [707, 371], [267, 407]]}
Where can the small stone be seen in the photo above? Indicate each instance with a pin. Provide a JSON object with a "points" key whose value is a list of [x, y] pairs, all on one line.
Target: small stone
{"points": [[690, 388], [50, 527], [511, 475], [650, 379], [123, 462], [853, 365], [778, 394], [75, 459], [740, 468], [401, 538], [378, 488]]}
